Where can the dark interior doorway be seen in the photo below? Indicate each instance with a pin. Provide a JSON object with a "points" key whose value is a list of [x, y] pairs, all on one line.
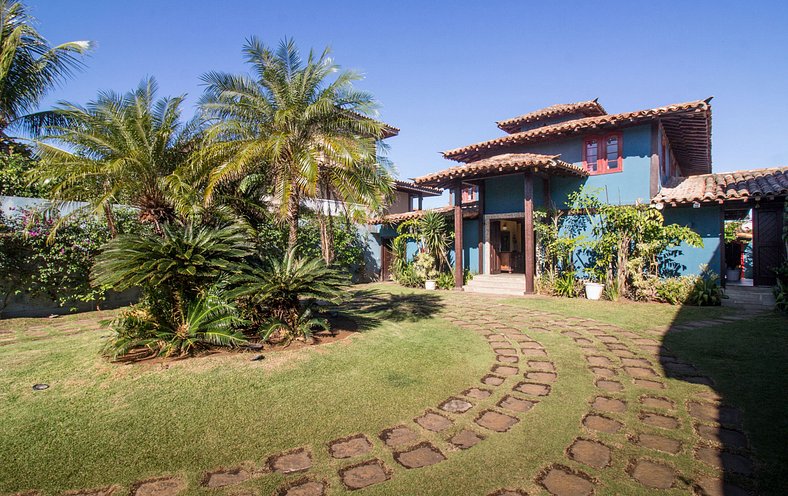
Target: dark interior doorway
{"points": [[506, 246]]}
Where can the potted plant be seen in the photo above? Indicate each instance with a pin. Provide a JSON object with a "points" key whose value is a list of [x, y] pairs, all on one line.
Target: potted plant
{"points": [[733, 274], [593, 288], [426, 268]]}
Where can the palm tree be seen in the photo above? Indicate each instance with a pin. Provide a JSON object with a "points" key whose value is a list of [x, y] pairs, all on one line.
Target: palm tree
{"points": [[287, 123], [360, 188], [30, 67], [117, 149]]}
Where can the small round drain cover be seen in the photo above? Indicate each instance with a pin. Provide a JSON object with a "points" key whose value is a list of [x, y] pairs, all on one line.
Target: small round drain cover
{"points": [[40, 387]]}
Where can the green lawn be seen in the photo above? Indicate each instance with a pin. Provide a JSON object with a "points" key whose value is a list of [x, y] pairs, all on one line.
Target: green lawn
{"points": [[102, 423]]}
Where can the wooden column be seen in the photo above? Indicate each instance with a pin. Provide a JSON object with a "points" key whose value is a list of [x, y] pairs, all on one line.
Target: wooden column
{"points": [[458, 269], [653, 184], [421, 201], [528, 242], [481, 227]]}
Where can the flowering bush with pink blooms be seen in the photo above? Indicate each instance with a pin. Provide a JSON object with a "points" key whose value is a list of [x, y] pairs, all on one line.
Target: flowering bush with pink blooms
{"points": [[38, 264]]}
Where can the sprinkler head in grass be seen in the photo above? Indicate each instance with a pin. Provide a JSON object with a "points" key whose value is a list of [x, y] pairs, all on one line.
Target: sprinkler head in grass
{"points": [[257, 358], [40, 387]]}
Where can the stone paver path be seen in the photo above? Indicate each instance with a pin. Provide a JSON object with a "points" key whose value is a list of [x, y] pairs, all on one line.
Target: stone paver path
{"points": [[520, 377]]}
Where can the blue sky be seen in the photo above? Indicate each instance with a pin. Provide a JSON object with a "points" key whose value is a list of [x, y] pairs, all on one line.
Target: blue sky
{"points": [[444, 73]]}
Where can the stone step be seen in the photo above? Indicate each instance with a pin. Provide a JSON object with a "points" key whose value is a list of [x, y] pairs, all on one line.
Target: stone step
{"points": [[494, 290]]}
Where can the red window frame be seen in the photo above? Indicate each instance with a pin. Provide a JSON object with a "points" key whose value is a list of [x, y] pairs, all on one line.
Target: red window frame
{"points": [[602, 162]]}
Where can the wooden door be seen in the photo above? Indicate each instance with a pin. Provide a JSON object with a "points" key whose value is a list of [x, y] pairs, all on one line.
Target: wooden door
{"points": [[495, 247], [767, 244], [386, 259]]}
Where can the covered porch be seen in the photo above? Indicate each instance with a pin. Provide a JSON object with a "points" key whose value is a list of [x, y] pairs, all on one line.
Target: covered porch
{"points": [[506, 241]]}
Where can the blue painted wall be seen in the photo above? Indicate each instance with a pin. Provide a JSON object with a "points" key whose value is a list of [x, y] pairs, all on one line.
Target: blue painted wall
{"points": [[706, 222], [629, 186], [470, 245], [506, 194]]}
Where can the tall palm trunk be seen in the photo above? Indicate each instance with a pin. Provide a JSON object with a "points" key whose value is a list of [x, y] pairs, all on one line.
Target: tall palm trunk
{"points": [[292, 220], [113, 229], [326, 222]]}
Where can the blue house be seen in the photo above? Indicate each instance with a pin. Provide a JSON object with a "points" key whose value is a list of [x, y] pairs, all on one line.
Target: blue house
{"points": [[659, 156]]}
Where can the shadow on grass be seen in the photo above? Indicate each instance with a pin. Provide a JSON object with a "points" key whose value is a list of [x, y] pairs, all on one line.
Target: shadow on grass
{"points": [[370, 307], [742, 425]]}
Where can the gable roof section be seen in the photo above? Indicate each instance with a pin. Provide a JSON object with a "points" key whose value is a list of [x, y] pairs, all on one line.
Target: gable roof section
{"points": [[468, 212], [410, 187], [725, 186], [687, 125], [500, 164], [591, 108]]}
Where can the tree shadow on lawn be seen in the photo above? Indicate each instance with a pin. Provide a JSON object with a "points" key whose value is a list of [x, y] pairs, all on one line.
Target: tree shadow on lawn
{"points": [[742, 425], [370, 307]]}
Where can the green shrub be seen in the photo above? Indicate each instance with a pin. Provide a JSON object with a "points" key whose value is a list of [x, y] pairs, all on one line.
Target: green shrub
{"points": [[179, 274], [781, 288], [279, 295], [208, 321], [408, 277], [612, 291], [445, 280], [675, 290], [566, 286], [39, 264], [706, 291]]}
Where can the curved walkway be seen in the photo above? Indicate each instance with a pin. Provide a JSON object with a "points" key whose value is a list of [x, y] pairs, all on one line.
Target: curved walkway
{"points": [[522, 375]]}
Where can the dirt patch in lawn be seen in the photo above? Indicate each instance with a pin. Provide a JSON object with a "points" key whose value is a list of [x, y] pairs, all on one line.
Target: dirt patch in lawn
{"points": [[341, 328]]}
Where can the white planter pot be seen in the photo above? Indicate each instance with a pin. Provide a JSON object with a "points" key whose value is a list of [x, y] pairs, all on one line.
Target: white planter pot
{"points": [[733, 275], [594, 290], [430, 285]]}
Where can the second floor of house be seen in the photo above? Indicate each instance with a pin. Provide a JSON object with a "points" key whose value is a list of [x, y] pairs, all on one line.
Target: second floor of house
{"points": [[628, 157]]}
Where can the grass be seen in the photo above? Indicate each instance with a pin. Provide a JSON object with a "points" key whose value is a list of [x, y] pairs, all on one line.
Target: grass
{"points": [[627, 314], [103, 423], [749, 363]]}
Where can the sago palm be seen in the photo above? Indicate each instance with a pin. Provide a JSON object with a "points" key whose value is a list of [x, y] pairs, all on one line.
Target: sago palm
{"points": [[286, 122], [117, 149], [282, 290], [30, 67]]}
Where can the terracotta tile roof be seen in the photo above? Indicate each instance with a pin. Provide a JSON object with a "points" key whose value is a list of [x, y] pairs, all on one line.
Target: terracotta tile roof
{"points": [[590, 108], [497, 164], [469, 211], [688, 126], [725, 186], [415, 188]]}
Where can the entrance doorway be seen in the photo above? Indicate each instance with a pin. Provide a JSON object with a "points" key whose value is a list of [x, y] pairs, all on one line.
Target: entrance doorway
{"points": [[753, 245], [386, 259], [506, 246]]}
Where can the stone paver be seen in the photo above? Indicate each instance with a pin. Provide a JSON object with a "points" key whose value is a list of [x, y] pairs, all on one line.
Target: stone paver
{"points": [[561, 481], [364, 474], [433, 422], [652, 474]]}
